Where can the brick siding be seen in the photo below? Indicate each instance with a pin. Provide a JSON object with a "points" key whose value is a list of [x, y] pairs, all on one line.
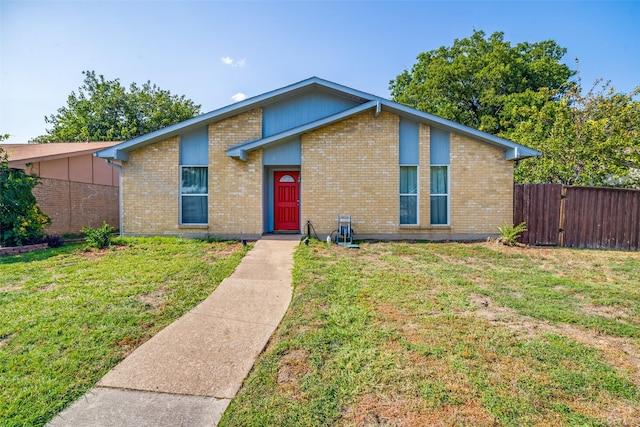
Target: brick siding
{"points": [[73, 205], [151, 185], [350, 167], [151, 189], [235, 186], [481, 187]]}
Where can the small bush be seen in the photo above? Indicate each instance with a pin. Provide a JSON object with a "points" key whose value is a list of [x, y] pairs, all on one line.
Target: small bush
{"points": [[54, 241], [99, 237], [509, 234]]}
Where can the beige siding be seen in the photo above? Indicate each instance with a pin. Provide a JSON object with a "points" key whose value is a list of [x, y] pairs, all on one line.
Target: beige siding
{"points": [[481, 187], [73, 205], [235, 186], [151, 185], [350, 167], [77, 191]]}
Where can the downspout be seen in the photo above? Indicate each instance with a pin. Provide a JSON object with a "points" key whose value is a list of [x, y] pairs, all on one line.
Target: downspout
{"points": [[378, 109], [119, 167]]}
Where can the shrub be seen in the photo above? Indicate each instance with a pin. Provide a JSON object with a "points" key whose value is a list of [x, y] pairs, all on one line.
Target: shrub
{"points": [[21, 220], [99, 237], [54, 241], [509, 234]]}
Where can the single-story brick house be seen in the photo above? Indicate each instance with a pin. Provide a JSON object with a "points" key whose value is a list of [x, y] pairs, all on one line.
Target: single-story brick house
{"points": [[76, 189], [308, 153]]}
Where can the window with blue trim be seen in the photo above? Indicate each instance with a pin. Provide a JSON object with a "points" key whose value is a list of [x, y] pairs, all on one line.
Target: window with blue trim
{"points": [[409, 148], [439, 176], [194, 178], [439, 195], [194, 193], [408, 195]]}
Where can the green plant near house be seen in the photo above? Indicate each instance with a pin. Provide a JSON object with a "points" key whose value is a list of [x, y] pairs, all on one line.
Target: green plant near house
{"points": [[67, 318], [99, 237], [21, 220], [509, 234]]}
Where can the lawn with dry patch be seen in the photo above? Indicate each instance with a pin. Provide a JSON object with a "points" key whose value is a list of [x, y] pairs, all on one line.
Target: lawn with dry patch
{"points": [[68, 315], [452, 334]]}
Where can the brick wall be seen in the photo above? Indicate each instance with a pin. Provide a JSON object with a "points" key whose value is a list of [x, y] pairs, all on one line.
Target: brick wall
{"points": [[235, 186], [352, 167], [151, 189], [151, 185], [481, 187], [73, 205], [15, 250]]}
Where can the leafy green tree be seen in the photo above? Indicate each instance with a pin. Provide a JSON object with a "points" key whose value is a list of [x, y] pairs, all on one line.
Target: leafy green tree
{"points": [[21, 220], [474, 81], [104, 110], [585, 139]]}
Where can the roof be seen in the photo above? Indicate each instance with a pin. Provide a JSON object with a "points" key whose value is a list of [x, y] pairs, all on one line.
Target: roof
{"points": [[30, 153], [365, 101]]}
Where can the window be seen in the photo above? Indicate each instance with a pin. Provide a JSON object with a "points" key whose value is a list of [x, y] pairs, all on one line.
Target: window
{"points": [[194, 187], [193, 191], [408, 195], [439, 195]]}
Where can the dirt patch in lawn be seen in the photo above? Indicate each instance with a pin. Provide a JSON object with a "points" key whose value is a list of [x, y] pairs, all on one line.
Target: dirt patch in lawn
{"points": [[293, 366], [620, 353], [611, 312], [155, 300], [371, 410], [5, 339], [214, 252], [92, 253]]}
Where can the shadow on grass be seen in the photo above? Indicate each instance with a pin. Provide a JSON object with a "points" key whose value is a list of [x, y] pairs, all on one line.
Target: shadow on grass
{"points": [[40, 254]]}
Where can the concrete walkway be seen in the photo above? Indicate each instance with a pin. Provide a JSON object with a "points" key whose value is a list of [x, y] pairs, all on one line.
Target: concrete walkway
{"points": [[187, 374]]}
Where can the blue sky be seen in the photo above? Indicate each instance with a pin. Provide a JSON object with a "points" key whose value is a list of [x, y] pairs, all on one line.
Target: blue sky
{"points": [[212, 51]]}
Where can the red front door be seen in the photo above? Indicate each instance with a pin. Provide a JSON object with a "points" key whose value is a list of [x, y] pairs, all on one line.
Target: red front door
{"points": [[287, 201]]}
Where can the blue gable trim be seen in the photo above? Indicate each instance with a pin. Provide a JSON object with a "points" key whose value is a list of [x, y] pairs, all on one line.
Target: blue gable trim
{"points": [[409, 142], [240, 151], [300, 110], [513, 151], [286, 153], [440, 147]]}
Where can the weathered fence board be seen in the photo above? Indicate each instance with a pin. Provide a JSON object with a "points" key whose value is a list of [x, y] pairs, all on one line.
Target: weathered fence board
{"points": [[539, 206], [579, 217], [602, 218]]}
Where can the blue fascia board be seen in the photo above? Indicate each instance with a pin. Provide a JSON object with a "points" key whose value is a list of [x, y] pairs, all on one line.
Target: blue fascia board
{"points": [[240, 150], [118, 152], [513, 150]]}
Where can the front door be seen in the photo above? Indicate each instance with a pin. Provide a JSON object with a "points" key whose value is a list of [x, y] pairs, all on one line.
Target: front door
{"points": [[287, 201]]}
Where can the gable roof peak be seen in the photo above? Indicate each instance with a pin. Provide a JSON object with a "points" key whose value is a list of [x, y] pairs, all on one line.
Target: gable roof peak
{"points": [[362, 99]]}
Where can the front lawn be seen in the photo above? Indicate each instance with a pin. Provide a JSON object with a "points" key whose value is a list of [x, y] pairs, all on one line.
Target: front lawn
{"points": [[68, 315], [452, 334]]}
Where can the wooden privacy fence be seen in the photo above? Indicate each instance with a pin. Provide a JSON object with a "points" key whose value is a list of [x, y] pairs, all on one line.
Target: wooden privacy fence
{"points": [[578, 217]]}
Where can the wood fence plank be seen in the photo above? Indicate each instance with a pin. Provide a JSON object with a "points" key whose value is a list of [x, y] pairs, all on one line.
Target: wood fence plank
{"points": [[591, 217]]}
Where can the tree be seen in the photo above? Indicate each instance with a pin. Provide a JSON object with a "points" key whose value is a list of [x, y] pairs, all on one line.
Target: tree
{"points": [[103, 110], [21, 220], [474, 80], [585, 139]]}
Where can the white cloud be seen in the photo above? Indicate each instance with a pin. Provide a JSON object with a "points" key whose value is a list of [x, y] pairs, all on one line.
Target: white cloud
{"points": [[227, 60], [238, 97]]}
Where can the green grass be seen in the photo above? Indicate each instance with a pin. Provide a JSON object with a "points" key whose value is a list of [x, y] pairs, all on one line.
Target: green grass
{"points": [[452, 334], [68, 315]]}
